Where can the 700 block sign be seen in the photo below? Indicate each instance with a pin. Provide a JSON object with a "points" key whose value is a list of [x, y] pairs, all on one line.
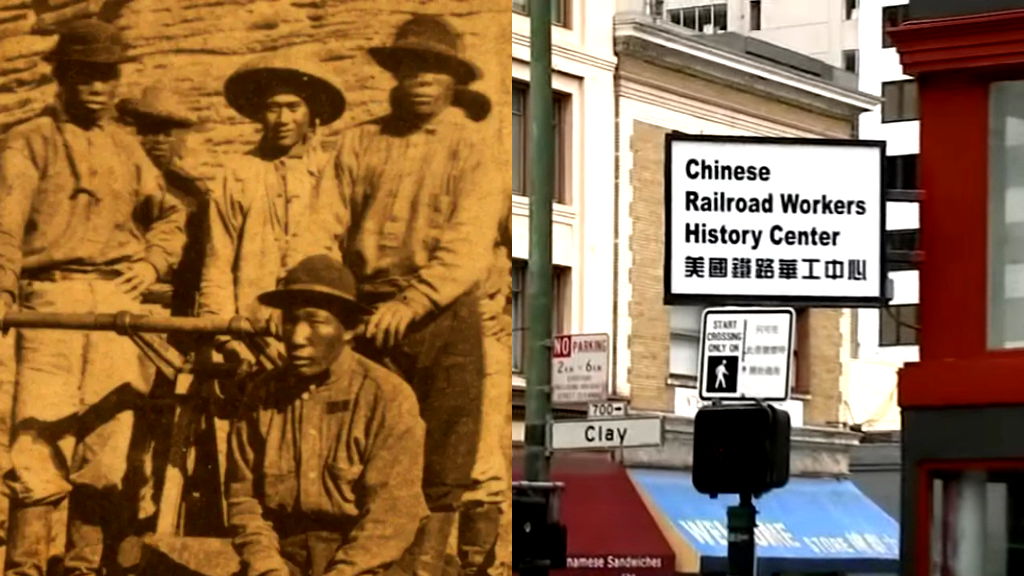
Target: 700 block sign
{"points": [[579, 368]]}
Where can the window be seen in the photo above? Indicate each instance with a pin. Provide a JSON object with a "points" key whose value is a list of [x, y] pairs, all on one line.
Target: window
{"points": [[518, 315], [1005, 217], [709, 18], [903, 241], [684, 343], [850, 60], [520, 147], [851, 9], [558, 10], [892, 16], [975, 493], [897, 325], [755, 15], [901, 172], [899, 101], [560, 300]]}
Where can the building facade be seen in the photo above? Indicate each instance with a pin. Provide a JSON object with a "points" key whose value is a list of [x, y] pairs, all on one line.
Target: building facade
{"points": [[583, 76], [666, 78], [826, 31]]}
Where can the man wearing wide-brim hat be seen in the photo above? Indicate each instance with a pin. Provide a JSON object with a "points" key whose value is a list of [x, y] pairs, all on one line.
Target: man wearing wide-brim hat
{"points": [[418, 216], [263, 199], [162, 124], [72, 185], [325, 459]]}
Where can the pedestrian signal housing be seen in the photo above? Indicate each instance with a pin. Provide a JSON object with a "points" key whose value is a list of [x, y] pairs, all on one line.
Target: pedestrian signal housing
{"points": [[740, 449]]}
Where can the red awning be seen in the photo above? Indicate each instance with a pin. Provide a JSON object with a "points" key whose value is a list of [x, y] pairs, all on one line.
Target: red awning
{"points": [[611, 533]]}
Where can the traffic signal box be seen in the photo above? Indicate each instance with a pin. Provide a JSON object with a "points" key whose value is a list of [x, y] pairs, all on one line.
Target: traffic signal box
{"points": [[740, 449]]}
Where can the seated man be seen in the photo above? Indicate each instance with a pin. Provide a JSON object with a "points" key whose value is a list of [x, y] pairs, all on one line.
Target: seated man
{"points": [[325, 461]]}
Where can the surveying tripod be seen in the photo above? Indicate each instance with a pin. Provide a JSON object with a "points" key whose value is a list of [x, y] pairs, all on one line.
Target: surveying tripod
{"points": [[195, 379]]}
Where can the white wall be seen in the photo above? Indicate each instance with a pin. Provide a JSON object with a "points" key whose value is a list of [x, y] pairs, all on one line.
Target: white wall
{"points": [[816, 28], [583, 65]]}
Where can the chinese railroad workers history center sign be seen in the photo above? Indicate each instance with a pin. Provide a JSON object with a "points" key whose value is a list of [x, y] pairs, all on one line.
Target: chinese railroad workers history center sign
{"points": [[779, 219]]}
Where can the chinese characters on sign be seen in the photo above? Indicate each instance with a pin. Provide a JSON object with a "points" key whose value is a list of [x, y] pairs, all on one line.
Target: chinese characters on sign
{"points": [[769, 268], [750, 219]]}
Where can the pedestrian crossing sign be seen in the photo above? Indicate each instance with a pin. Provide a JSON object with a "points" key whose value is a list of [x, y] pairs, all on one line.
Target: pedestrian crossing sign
{"points": [[746, 353]]}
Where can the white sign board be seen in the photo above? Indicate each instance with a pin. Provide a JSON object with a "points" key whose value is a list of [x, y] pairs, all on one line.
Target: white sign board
{"points": [[615, 409], [604, 434], [785, 220], [579, 368], [746, 353]]}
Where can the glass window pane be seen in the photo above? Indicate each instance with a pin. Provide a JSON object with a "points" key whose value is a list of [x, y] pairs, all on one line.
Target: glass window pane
{"points": [[558, 12], [704, 19], [720, 17], [520, 6], [909, 103], [755, 14], [908, 321], [887, 327], [558, 142], [518, 141], [690, 18], [890, 101], [1006, 215], [518, 312]]}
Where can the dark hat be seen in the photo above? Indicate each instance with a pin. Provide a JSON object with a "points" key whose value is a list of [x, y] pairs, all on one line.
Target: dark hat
{"points": [[157, 104], [318, 281], [430, 39], [246, 88], [89, 40]]}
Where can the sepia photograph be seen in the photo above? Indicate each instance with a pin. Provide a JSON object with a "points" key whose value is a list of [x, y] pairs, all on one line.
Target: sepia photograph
{"points": [[255, 287]]}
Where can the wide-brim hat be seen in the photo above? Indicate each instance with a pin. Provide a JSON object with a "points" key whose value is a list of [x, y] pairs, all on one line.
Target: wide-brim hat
{"points": [[430, 40], [318, 281], [246, 88], [89, 40], [157, 104]]}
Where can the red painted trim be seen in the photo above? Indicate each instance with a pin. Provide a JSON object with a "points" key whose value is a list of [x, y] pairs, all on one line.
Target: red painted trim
{"points": [[991, 379], [954, 217], [925, 470], [960, 43]]}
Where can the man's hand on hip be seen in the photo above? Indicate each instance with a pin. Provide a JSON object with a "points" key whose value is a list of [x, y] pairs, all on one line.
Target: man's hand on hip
{"points": [[136, 277]]}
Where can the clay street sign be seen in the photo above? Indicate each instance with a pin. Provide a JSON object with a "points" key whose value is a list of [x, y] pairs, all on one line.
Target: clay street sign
{"points": [[604, 434]]}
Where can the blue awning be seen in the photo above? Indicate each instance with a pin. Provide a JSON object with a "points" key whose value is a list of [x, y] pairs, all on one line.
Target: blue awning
{"points": [[811, 525]]}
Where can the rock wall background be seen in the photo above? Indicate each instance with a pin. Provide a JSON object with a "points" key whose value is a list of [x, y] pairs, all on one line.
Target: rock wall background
{"points": [[193, 45]]}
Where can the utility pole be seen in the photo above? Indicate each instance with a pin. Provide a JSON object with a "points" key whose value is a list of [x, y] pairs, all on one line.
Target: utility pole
{"points": [[539, 278]]}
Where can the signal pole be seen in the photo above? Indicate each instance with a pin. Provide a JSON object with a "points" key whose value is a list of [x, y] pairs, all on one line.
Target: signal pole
{"points": [[741, 521], [539, 278]]}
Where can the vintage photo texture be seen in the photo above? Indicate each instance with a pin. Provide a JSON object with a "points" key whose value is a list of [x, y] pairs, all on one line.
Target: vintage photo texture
{"points": [[382, 254]]}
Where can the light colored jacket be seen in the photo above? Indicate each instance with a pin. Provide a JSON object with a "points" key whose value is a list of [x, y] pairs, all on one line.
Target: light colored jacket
{"points": [[255, 215]]}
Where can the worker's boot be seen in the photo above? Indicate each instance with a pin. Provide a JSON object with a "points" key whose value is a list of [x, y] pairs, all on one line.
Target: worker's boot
{"points": [[427, 553], [28, 540], [85, 533], [478, 533]]}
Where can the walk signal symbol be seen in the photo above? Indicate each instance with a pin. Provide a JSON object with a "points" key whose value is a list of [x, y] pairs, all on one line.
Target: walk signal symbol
{"points": [[721, 374]]}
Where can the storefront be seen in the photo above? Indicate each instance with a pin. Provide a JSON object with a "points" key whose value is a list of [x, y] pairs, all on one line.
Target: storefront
{"points": [[812, 526]]}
